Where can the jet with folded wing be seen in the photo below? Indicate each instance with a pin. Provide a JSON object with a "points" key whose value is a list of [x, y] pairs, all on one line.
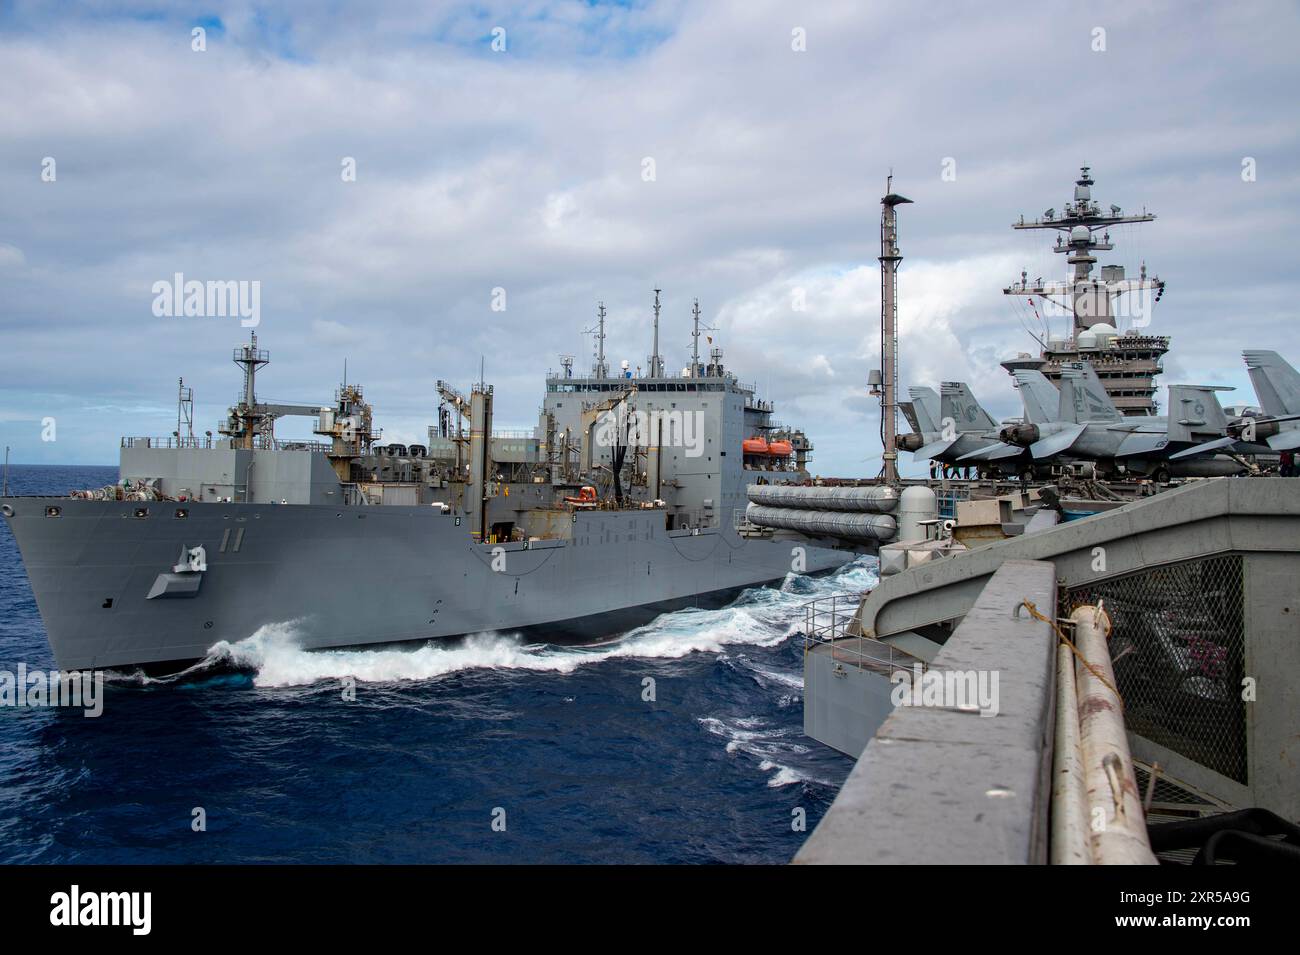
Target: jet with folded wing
{"points": [[948, 425], [1088, 427], [1040, 400], [1277, 427]]}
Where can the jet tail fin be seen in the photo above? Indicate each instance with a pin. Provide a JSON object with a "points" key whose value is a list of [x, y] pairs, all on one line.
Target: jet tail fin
{"points": [[1195, 415], [909, 412], [925, 405], [1277, 384], [1091, 402], [1038, 395], [957, 402], [1067, 407]]}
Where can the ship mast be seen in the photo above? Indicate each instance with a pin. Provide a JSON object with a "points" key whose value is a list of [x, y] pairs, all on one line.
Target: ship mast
{"points": [[695, 339], [184, 412], [246, 418], [890, 257], [1096, 303], [1088, 300], [600, 369], [656, 361]]}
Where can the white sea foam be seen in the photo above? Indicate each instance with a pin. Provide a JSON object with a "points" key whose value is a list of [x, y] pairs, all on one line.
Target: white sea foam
{"points": [[770, 745], [759, 618], [784, 775]]}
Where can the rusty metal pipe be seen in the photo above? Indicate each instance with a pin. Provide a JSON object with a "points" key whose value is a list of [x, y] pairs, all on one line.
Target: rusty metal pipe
{"points": [[1070, 842], [1116, 822]]}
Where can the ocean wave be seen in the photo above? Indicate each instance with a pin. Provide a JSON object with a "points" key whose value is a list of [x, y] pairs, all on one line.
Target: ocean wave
{"points": [[760, 617]]}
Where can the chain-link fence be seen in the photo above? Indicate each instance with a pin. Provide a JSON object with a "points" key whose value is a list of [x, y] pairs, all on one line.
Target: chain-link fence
{"points": [[1178, 649]]}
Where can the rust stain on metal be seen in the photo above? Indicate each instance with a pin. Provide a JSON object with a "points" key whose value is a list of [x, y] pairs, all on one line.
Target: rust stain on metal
{"points": [[1095, 704]]}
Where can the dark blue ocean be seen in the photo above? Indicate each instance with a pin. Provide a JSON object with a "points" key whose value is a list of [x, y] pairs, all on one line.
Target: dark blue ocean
{"points": [[437, 739]]}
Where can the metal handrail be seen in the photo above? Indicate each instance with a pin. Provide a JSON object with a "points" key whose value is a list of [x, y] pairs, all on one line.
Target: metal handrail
{"points": [[514, 434], [830, 620], [260, 442], [167, 442]]}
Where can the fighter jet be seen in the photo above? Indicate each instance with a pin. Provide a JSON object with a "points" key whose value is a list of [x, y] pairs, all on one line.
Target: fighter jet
{"points": [[958, 426], [1276, 428], [1088, 426], [1041, 401]]}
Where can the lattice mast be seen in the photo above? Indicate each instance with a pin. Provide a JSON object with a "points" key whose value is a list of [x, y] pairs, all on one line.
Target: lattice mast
{"points": [[890, 257]]}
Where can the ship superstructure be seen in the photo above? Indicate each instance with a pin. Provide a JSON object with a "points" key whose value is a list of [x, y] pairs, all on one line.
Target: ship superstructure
{"points": [[1095, 305]]}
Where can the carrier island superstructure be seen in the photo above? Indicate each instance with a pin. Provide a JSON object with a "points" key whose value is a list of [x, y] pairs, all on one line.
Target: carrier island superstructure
{"points": [[625, 500], [1095, 304]]}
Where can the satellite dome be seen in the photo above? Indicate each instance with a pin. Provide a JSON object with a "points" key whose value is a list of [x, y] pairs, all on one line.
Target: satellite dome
{"points": [[1103, 331], [1080, 233]]}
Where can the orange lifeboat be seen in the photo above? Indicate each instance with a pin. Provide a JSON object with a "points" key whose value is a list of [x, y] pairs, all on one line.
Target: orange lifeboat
{"points": [[780, 449], [586, 496], [754, 446]]}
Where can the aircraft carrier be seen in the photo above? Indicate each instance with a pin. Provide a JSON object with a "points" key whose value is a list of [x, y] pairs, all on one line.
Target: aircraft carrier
{"points": [[1089, 397], [1133, 621], [625, 500]]}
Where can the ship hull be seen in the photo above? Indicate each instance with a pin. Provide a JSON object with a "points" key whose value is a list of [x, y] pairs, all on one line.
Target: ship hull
{"points": [[355, 577]]}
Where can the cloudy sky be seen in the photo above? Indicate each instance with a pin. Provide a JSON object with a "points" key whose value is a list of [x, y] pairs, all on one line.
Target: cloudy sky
{"points": [[525, 169]]}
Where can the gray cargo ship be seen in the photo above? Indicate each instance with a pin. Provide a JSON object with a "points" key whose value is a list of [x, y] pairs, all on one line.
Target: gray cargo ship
{"points": [[625, 500]]}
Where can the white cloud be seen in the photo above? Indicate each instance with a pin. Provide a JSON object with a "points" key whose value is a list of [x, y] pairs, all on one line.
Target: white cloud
{"points": [[523, 171], [11, 257]]}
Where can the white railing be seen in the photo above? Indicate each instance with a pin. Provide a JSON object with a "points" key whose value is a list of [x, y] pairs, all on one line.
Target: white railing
{"points": [[168, 442], [830, 621], [260, 442]]}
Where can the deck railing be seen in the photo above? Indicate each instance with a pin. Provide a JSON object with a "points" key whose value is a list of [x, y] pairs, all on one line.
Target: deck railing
{"points": [[829, 621], [261, 443]]}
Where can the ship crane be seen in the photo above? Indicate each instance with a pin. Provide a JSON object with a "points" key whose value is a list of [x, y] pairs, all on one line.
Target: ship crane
{"points": [[251, 418], [592, 422], [350, 427], [461, 404], [478, 408], [453, 397]]}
